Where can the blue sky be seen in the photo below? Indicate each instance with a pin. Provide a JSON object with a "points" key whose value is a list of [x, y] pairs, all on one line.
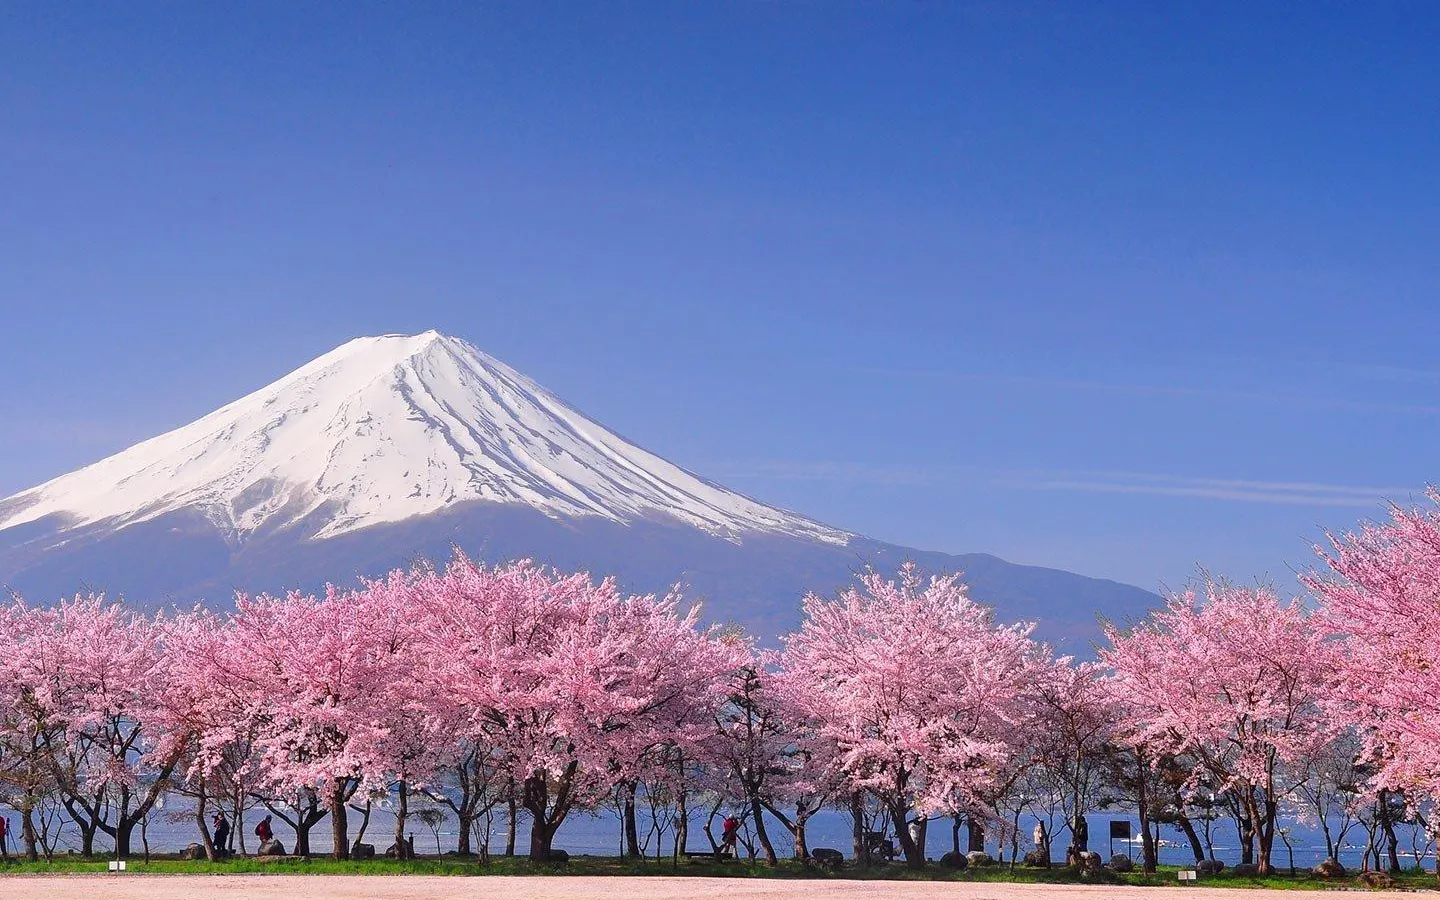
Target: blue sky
{"points": [[1119, 288]]}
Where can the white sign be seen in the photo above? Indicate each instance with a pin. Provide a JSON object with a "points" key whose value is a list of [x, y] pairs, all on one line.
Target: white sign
{"points": [[117, 865], [1186, 874]]}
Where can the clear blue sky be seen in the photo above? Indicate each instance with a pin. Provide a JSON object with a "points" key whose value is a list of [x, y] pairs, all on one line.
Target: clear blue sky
{"points": [[1120, 288]]}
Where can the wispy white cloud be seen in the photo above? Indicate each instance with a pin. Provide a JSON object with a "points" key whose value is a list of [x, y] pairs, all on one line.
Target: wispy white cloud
{"points": [[1165, 390], [1291, 493]]}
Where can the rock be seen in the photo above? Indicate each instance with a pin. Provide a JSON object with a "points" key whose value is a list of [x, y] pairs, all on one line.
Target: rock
{"points": [[1037, 859], [559, 856], [194, 851], [1377, 881], [1100, 875], [1209, 867], [362, 851], [1122, 863], [1329, 868], [271, 847], [1246, 870], [828, 858], [978, 858], [953, 860], [1090, 861]]}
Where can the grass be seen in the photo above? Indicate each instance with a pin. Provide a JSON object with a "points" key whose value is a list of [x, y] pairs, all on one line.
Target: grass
{"points": [[695, 867]]}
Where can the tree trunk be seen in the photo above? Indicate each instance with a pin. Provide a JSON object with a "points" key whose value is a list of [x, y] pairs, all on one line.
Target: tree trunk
{"points": [[238, 835], [1247, 843], [464, 821], [510, 825], [913, 859], [205, 840], [976, 834], [682, 827], [402, 809], [761, 834], [27, 830], [1263, 829], [955, 823], [339, 823], [860, 846], [632, 832], [541, 836], [1189, 828], [545, 821], [802, 849], [124, 827]]}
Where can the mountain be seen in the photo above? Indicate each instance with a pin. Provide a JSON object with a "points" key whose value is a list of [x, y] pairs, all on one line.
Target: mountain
{"points": [[402, 446]]}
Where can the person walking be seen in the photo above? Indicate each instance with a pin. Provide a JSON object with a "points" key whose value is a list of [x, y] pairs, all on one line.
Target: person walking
{"points": [[4, 837]]}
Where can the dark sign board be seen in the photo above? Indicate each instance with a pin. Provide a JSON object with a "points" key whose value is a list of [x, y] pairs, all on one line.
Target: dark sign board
{"points": [[1120, 830]]}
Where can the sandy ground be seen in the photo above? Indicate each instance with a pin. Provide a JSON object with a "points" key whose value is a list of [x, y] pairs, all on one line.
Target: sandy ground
{"points": [[407, 887]]}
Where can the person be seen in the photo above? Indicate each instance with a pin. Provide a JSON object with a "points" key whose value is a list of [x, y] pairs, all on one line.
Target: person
{"points": [[729, 834], [263, 831], [916, 830], [222, 834], [4, 836], [1042, 840]]}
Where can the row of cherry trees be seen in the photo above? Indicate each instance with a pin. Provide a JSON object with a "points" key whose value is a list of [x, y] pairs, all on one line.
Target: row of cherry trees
{"points": [[900, 701]]}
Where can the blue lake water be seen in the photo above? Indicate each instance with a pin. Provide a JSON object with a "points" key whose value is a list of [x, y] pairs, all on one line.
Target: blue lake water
{"points": [[173, 828]]}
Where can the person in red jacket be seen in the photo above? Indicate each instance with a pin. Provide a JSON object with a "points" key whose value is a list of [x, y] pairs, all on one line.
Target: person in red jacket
{"points": [[263, 831], [729, 834], [4, 836]]}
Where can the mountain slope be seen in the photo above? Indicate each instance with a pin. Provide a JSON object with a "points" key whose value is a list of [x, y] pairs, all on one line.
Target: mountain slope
{"points": [[398, 447], [383, 430]]}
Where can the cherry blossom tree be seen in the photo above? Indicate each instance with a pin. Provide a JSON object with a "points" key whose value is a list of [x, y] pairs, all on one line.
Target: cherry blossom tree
{"points": [[571, 681], [30, 725], [1075, 718], [1381, 595], [1231, 680], [314, 680], [101, 677], [919, 690]]}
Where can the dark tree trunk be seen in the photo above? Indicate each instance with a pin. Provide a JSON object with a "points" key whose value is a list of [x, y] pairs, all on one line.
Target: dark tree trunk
{"points": [[200, 823], [465, 822], [27, 830], [860, 846], [1387, 824], [682, 827], [913, 859], [632, 832], [359, 838], [546, 815], [955, 823], [339, 823], [1247, 841], [1188, 827], [977, 834], [761, 834], [510, 825], [402, 809]]}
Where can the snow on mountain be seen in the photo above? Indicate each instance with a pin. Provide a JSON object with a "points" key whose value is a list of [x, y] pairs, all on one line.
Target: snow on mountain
{"points": [[386, 429]]}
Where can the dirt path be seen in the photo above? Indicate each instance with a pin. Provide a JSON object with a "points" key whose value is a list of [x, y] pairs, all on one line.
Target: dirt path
{"points": [[406, 887]]}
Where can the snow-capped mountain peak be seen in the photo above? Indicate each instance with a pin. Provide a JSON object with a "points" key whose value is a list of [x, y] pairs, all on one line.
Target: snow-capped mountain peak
{"points": [[385, 429]]}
